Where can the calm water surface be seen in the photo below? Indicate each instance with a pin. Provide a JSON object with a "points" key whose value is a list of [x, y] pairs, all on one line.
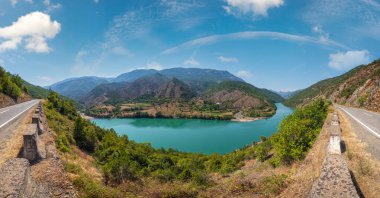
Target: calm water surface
{"points": [[193, 135]]}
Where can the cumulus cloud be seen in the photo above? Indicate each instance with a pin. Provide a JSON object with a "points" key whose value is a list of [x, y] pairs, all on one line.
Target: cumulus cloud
{"points": [[244, 74], [33, 29], [191, 61], [227, 59], [255, 7], [348, 60]]}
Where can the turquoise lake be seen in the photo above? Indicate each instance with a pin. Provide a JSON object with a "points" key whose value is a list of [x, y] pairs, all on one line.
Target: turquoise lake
{"points": [[194, 135]]}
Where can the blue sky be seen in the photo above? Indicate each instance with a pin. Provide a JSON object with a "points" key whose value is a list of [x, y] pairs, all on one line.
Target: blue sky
{"points": [[276, 44]]}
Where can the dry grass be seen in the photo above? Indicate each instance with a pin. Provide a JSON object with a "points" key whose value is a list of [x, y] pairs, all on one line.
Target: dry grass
{"points": [[12, 147], [365, 168], [85, 161]]}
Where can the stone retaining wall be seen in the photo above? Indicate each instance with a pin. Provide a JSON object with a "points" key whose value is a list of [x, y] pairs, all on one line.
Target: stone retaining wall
{"points": [[335, 179]]}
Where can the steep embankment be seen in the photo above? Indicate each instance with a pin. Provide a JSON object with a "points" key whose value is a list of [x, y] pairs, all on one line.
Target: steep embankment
{"points": [[12, 89], [360, 87]]}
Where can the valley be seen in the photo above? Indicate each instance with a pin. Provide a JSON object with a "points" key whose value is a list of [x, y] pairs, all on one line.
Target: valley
{"points": [[201, 147], [171, 93], [189, 99]]}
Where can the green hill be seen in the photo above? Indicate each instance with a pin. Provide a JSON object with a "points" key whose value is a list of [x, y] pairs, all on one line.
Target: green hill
{"points": [[246, 88], [361, 80]]}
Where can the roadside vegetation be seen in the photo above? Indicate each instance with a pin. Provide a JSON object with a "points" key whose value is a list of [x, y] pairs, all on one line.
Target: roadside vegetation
{"points": [[11, 85], [124, 161]]}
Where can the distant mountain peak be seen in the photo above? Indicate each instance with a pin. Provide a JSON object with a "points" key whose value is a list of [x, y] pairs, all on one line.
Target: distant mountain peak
{"points": [[198, 78]]}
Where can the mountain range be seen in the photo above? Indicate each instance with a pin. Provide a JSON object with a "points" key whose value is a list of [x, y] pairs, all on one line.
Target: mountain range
{"points": [[193, 88], [200, 79]]}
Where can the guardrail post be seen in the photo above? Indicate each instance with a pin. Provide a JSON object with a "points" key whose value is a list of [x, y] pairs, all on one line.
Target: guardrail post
{"points": [[30, 151]]}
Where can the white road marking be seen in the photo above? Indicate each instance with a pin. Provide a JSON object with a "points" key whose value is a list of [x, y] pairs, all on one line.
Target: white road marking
{"points": [[370, 130], [4, 111], [17, 115]]}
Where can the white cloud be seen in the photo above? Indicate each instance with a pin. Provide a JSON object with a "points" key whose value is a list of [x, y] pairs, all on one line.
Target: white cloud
{"points": [[51, 6], [32, 29], [244, 74], [153, 65], [122, 51], [247, 35], [323, 35], [175, 7], [255, 7], [228, 59], [348, 60], [191, 61], [14, 2]]}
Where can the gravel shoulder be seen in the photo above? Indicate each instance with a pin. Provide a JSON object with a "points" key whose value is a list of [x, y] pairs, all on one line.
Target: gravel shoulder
{"points": [[11, 137], [360, 152], [372, 143]]}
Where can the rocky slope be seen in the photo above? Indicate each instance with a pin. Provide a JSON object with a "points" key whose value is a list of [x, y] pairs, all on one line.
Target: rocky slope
{"points": [[151, 87], [360, 87], [244, 97], [198, 79]]}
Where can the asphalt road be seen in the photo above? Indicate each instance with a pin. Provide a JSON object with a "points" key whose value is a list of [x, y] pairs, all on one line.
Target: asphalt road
{"points": [[366, 125], [8, 114]]}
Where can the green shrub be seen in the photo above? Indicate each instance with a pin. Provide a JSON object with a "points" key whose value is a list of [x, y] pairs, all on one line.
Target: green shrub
{"points": [[298, 131]]}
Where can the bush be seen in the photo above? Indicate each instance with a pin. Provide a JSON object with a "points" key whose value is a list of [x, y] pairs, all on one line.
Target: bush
{"points": [[262, 150], [298, 131]]}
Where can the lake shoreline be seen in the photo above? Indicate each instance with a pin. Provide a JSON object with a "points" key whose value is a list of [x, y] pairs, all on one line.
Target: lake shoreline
{"points": [[248, 119], [245, 119], [196, 135]]}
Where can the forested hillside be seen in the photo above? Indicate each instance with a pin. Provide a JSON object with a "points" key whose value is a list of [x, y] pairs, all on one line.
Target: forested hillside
{"points": [[359, 87], [12, 89]]}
